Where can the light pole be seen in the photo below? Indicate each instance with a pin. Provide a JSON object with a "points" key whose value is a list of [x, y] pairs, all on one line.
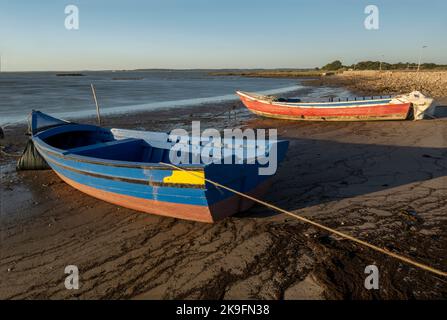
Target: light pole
{"points": [[380, 66], [420, 57]]}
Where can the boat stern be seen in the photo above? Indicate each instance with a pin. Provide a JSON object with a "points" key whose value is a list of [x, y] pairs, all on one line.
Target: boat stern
{"points": [[421, 104]]}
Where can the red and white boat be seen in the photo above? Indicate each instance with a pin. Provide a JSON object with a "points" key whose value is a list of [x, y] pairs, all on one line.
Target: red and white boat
{"points": [[410, 106]]}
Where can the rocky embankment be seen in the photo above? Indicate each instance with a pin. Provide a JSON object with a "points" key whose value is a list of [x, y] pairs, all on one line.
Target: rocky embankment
{"points": [[431, 83]]}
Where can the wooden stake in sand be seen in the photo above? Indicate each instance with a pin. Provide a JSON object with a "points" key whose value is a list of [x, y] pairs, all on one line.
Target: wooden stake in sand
{"points": [[97, 106], [320, 226]]}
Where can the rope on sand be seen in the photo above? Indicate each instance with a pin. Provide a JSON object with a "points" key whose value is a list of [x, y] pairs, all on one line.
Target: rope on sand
{"points": [[320, 226]]}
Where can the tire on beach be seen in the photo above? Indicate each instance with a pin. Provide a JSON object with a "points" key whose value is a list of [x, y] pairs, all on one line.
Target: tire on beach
{"points": [[31, 159]]}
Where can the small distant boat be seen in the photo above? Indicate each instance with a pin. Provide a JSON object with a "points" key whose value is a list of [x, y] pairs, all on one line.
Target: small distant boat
{"points": [[124, 167], [128, 78], [70, 75], [401, 107]]}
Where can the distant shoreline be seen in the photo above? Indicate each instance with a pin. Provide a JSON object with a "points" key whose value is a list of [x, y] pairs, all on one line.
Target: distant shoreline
{"points": [[271, 73]]}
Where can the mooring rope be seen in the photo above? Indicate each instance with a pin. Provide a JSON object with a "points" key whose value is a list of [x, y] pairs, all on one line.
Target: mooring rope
{"points": [[318, 225]]}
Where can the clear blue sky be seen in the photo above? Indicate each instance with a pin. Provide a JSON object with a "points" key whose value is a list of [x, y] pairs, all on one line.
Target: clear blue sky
{"points": [[217, 33]]}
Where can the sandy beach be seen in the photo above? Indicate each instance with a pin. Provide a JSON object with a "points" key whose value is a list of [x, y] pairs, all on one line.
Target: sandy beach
{"points": [[384, 182]]}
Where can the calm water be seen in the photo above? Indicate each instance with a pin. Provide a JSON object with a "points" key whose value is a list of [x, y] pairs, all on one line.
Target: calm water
{"points": [[122, 91]]}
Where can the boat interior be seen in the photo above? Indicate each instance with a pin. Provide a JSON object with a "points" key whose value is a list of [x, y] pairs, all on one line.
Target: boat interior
{"points": [[102, 144], [335, 99], [91, 141]]}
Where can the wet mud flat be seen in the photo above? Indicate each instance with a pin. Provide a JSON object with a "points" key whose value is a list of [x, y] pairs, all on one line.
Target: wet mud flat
{"points": [[384, 182]]}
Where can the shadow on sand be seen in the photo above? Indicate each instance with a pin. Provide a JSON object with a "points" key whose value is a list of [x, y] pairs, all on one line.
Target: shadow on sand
{"points": [[320, 171]]}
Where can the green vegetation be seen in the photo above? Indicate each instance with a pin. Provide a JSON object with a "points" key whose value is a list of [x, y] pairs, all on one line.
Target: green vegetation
{"points": [[377, 65], [333, 66], [329, 69]]}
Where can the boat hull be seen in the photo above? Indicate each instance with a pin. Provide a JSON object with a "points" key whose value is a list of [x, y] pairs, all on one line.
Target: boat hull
{"points": [[174, 210], [207, 214], [328, 112], [198, 203], [99, 170]]}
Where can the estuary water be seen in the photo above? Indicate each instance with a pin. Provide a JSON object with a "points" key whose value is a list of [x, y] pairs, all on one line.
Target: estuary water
{"points": [[68, 95]]}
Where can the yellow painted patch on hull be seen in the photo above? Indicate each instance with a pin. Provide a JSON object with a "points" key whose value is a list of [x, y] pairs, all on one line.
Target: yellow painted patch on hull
{"points": [[192, 177]]}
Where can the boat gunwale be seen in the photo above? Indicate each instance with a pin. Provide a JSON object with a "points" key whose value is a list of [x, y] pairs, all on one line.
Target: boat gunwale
{"points": [[316, 105], [65, 154]]}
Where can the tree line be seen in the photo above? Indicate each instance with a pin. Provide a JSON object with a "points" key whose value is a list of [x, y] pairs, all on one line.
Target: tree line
{"points": [[378, 65]]}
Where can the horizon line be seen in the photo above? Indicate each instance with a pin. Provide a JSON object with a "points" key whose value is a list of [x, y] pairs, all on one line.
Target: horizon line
{"points": [[187, 69]]}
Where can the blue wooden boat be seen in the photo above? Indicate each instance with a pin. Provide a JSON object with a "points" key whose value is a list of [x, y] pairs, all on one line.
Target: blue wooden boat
{"points": [[125, 167]]}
